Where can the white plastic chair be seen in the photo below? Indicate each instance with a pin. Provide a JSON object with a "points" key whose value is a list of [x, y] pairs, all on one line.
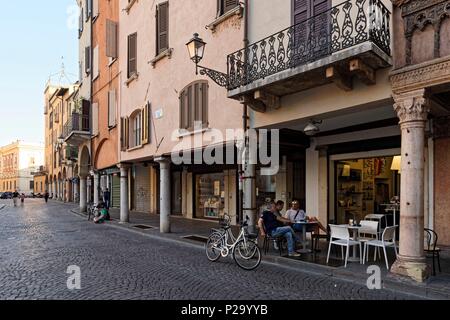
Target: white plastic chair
{"points": [[387, 240], [367, 232], [379, 218], [340, 236]]}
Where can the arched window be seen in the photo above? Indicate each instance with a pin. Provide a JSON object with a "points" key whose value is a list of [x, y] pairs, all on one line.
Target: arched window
{"points": [[194, 106], [135, 129]]}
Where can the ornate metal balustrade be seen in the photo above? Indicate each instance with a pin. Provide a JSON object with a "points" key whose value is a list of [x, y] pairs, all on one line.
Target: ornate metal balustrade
{"points": [[346, 25], [76, 122]]}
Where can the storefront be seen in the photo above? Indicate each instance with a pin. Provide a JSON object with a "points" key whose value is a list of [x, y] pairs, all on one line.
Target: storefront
{"points": [[215, 193], [141, 188], [364, 180]]}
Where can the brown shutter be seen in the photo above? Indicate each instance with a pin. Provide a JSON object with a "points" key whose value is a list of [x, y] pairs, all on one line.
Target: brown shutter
{"points": [[132, 54], [300, 10], [122, 134], [111, 39], [190, 111], [229, 5], [162, 23], [87, 59], [183, 110], [127, 133], [204, 99]]}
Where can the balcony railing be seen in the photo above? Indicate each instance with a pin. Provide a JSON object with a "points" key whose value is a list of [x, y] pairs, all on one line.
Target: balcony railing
{"points": [[76, 123], [346, 25]]}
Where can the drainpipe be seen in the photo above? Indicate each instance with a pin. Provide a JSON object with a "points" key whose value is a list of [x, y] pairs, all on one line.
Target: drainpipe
{"points": [[91, 56]]}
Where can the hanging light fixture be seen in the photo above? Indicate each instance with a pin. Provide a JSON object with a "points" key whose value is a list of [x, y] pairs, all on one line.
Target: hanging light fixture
{"points": [[196, 48], [396, 163]]}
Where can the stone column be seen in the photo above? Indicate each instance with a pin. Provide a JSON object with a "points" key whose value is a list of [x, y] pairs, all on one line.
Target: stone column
{"points": [[249, 203], [83, 194], [164, 216], [96, 187], [124, 209], [412, 110]]}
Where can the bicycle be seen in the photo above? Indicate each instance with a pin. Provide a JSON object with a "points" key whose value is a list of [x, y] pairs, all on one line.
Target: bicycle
{"points": [[222, 242], [92, 211]]}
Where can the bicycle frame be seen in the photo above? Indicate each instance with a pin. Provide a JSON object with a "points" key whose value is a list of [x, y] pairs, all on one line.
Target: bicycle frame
{"points": [[226, 236]]}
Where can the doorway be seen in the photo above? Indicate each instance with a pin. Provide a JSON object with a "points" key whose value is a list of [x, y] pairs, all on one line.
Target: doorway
{"points": [[176, 193]]}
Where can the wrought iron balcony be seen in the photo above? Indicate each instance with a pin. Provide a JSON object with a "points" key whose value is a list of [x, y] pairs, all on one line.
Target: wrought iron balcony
{"points": [[352, 29], [77, 129]]}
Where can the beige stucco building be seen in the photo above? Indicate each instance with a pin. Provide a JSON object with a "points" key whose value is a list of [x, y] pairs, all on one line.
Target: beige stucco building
{"points": [[161, 96], [18, 161]]}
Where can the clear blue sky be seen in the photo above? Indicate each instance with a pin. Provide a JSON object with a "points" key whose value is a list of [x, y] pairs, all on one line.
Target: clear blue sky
{"points": [[34, 35]]}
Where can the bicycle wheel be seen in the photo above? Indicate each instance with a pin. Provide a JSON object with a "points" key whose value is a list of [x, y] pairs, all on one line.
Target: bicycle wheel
{"points": [[213, 246], [247, 254]]}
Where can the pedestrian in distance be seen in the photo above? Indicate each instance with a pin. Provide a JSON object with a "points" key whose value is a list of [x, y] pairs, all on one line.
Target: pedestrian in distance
{"points": [[46, 197], [15, 197], [106, 198], [22, 198]]}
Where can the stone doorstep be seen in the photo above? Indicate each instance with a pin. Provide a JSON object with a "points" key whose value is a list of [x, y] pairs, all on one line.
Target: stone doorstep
{"points": [[389, 282]]}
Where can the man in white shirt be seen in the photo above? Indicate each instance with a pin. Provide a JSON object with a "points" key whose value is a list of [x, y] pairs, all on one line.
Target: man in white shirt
{"points": [[295, 215]]}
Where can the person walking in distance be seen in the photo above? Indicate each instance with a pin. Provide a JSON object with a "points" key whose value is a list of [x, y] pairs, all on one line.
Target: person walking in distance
{"points": [[15, 197], [46, 196], [106, 198], [22, 198]]}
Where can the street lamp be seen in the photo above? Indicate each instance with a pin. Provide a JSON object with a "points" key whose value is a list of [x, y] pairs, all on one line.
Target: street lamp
{"points": [[196, 48]]}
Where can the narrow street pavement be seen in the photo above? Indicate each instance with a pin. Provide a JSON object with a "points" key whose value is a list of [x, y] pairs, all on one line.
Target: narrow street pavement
{"points": [[39, 241]]}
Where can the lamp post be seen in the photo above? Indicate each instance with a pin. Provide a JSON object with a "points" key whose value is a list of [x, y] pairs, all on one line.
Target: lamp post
{"points": [[196, 49]]}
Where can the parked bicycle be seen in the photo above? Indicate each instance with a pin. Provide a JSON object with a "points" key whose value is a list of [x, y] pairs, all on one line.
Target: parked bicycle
{"points": [[244, 249], [92, 210]]}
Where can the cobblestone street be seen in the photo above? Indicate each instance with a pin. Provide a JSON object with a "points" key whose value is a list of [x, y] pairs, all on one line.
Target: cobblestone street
{"points": [[38, 242]]}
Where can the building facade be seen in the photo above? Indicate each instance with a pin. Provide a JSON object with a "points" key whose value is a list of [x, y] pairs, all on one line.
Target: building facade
{"points": [[161, 98], [18, 161]]}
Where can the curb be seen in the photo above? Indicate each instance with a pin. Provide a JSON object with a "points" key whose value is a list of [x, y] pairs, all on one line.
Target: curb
{"points": [[2, 206], [390, 284]]}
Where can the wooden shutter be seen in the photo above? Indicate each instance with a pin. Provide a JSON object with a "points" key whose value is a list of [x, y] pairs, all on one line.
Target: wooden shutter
{"points": [[300, 10], [145, 124], [94, 119], [124, 133], [87, 59], [111, 39], [95, 63], [132, 54], [229, 5], [204, 100], [162, 24], [111, 108]]}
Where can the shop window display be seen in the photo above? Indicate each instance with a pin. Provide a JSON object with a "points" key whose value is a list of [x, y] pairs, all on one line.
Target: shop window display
{"points": [[210, 195]]}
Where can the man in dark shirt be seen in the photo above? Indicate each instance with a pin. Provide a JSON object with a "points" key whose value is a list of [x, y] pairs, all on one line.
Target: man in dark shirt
{"points": [[107, 198], [15, 197], [273, 225]]}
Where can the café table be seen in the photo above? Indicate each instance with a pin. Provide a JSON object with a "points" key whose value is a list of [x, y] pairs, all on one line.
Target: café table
{"points": [[305, 225], [355, 231]]}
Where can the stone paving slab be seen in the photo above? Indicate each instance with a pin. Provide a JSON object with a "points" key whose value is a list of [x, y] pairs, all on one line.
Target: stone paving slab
{"points": [[435, 288]]}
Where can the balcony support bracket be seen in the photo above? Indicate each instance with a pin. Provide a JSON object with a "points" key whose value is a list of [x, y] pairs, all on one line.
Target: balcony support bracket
{"points": [[270, 101], [365, 73], [342, 79], [256, 105]]}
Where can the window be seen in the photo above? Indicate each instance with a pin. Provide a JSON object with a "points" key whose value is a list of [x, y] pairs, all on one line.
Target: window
{"points": [[88, 9], [87, 60], [135, 130], [111, 39], [94, 119], [162, 27], [80, 22], [111, 108], [132, 55], [95, 63], [226, 5], [194, 105]]}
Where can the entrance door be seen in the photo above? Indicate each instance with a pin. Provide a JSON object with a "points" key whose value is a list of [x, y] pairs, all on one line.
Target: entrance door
{"points": [[115, 191], [176, 193], [312, 34]]}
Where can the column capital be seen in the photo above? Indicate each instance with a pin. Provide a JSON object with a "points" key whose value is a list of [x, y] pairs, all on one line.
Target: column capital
{"points": [[411, 106], [164, 162], [124, 165]]}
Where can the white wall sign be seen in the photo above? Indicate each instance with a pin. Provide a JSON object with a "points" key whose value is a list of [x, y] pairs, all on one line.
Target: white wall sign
{"points": [[158, 114]]}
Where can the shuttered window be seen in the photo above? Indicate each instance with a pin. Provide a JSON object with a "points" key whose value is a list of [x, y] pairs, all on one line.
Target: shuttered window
{"points": [[88, 9], [95, 63], [87, 60], [112, 108], [132, 54], [162, 27], [145, 121], [194, 106], [94, 119], [226, 5], [124, 124], [111, 39]]}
